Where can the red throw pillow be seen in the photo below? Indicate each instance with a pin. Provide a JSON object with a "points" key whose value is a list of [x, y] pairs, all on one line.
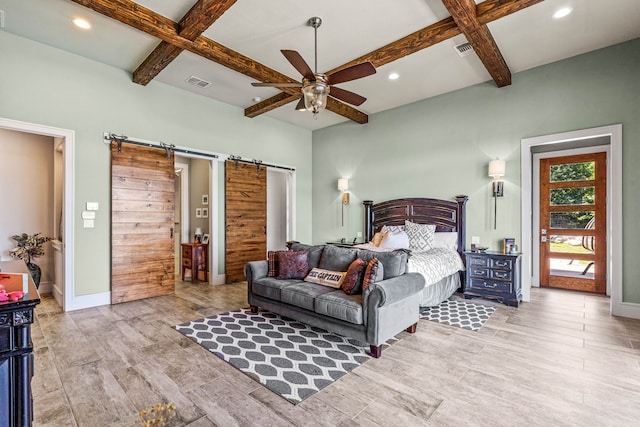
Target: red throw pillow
{"points": [[370, 273], [293, 264], [352, 283]]}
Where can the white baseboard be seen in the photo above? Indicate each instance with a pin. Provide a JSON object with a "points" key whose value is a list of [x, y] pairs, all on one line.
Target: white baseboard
{"points": [[45, 288], [218, 279], [626, 309], [88, 301], [58, 294]]}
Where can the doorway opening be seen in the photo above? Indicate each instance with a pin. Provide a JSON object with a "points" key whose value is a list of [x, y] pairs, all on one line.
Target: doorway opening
{"points": [[62, 211], [611, 138]]}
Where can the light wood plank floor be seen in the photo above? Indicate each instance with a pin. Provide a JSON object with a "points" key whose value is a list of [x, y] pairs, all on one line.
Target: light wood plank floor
{"points": [[560, 360]]}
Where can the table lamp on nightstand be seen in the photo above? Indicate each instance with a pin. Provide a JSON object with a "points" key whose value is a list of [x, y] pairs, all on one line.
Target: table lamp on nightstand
{"points": [[197, 235]]}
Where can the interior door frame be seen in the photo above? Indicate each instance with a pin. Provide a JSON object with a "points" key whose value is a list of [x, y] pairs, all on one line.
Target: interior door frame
{"points": [[535, 253], [69, 300], [614, 226]]}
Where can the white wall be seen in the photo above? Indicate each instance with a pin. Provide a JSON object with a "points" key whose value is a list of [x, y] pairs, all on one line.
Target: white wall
{"points": [[27, 192], [276, 210]]}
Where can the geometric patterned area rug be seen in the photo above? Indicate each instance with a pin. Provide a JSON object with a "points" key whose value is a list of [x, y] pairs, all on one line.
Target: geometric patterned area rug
{"points": [[290, 358], [459, 312]]}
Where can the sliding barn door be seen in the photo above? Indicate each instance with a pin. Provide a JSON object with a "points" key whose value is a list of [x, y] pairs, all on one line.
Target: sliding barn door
{"points": [[246, 217], [142, 221]]}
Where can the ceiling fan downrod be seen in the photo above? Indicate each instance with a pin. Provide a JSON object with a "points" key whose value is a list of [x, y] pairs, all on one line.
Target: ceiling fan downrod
{"points": [[315, 22]]}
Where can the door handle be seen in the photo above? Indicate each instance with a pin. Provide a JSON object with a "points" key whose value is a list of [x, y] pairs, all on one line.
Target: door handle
{"points": [[172, 232]]}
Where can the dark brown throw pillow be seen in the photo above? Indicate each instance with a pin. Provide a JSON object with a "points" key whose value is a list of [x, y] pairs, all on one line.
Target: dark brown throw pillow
{"points": [[272, 261], [370, 273], [352, 282], [293, 264]]}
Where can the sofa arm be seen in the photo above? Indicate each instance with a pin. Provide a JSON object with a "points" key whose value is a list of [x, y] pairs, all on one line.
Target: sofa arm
{"points": [[394, 289], [255, 270]]}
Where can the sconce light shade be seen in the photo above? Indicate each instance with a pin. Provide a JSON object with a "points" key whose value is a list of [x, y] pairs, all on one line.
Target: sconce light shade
{"points": [[497, 168], [343, 184]]}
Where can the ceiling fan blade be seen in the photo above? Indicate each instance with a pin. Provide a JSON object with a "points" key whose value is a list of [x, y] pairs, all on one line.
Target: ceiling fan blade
{"points": [[276, 84], [346, 96], [354, 72], [298, 63], [300, 105]]}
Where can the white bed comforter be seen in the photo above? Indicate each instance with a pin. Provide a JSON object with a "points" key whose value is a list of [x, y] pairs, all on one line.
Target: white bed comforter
{"points": [[435, 264]]}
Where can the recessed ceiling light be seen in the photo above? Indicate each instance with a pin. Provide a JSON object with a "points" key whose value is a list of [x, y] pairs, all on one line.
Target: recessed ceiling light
{"points": [[561, 13], [82, 23], [394, 76]]}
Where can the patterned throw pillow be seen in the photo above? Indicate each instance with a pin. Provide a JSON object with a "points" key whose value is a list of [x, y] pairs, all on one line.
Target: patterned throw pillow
{"points": [[392, 229], [293, 264], [420, 236], [370, 273], [352, 283], [272, 260]]}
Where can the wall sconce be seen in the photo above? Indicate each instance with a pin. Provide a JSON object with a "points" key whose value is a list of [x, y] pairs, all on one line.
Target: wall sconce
{"points": [[497, 169], [343, 185]]}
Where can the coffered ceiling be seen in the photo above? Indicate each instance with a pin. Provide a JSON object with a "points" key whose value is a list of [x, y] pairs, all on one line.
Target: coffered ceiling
{"points": [[232, 43]]}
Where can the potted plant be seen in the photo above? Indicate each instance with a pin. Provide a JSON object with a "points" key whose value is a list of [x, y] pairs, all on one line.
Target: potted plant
{"points": [[29, 247]]}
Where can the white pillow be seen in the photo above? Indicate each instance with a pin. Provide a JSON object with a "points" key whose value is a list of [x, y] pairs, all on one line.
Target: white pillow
{"points": [[420, 236], [447, 240], [398, 240]]}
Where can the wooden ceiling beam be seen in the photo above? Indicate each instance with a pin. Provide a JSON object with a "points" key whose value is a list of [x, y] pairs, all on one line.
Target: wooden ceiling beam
{"points": [[487, 11], [464, 14], [200, 17], [276, 101], [154, 24]]}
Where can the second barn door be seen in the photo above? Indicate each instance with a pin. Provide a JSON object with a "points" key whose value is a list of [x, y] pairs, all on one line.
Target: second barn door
{"points": [[245, 217]]}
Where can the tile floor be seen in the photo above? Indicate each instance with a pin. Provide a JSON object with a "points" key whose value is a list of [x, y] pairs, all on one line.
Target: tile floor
{"points": [[560, 360]]}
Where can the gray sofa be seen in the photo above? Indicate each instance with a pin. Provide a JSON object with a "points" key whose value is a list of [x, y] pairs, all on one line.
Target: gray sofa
{"points": [[385, 308]]}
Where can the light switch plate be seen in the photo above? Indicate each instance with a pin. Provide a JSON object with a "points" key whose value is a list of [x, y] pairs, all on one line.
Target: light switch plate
{"points": [[88, 223], [92, 206], [88, 215], [475, 240]]}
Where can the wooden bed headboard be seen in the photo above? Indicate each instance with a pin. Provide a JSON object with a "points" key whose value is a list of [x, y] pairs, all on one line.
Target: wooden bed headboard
{"points": [[445, 214]]}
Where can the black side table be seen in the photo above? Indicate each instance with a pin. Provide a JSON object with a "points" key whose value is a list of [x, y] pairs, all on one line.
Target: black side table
{"points": [[494, 275]]}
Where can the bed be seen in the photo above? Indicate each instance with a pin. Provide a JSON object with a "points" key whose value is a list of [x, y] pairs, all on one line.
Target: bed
{"points": [[443, 268]]}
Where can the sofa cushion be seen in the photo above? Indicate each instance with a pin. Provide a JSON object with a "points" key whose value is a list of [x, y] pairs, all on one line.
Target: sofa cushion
{"points": [[303, 294], [394, 263], [270, 287], [293, 264], [341, 306], [315, 252], [336, 258]]}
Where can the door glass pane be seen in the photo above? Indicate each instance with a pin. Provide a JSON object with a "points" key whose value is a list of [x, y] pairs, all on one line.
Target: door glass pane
{"points": [[573, 172], [575, 220], [571, 244], [571, 268], [572, 196]]}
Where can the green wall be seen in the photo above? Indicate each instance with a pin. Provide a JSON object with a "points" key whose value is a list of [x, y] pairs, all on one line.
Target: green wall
{"points": [[47, 86], [441, 147]]}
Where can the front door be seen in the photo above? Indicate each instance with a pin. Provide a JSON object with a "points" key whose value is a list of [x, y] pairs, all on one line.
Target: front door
{"points": [[573, 240]]}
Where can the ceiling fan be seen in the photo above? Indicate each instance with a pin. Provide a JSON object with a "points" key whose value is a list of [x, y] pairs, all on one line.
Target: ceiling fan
{"points": [[316, 86]]}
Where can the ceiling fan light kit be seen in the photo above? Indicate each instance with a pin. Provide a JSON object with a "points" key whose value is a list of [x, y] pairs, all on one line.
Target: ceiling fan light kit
{"points": [[316, 87]]}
